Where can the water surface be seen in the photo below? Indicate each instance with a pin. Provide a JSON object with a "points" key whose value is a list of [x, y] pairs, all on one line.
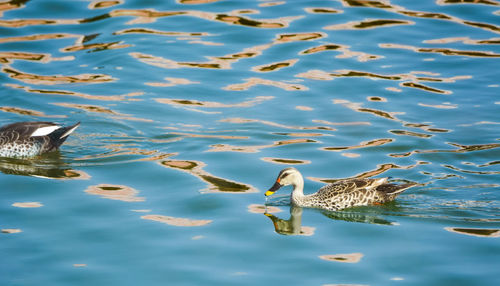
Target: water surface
{"points": [[189, 110]]}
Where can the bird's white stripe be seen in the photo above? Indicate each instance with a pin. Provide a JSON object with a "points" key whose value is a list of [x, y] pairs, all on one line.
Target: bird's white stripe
{"points": [[69, 131], [42, 131]]}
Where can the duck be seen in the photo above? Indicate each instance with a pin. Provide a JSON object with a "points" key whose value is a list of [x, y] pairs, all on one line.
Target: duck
{"points": [[341, 194], [32, 138]]}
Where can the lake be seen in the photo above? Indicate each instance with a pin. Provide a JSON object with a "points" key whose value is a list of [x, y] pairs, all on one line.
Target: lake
{"points": [[190, 108]]}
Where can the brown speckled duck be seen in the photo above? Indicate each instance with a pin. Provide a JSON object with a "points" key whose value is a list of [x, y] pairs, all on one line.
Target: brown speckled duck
{"points": [[339, 195], [28, 139]]}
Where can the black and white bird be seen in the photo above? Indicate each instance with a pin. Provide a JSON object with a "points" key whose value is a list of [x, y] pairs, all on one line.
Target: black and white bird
{"points": [[28, 139], [339, 195]]}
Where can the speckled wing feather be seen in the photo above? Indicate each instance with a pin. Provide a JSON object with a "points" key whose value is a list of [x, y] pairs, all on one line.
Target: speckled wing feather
{"points": [[348, 193]]}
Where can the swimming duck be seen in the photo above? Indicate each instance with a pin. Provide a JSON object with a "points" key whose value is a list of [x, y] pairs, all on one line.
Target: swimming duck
{"points": [[28, 139], [339, 195]]}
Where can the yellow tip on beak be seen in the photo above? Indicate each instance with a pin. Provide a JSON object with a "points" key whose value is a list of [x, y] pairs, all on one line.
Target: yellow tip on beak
{"points": [[273, 189], [268, 193]]}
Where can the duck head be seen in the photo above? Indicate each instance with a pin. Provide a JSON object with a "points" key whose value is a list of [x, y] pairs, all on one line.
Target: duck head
{"points": [[288, 176]]}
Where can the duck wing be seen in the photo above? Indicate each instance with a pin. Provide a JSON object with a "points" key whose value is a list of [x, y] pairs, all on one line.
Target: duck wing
{"points": [[35, 137], [351, 185], [24, 130]]}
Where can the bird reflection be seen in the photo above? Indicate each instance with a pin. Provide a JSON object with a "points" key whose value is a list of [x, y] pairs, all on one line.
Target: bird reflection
{"points": [[48, 166], [293, 225], [352, 216]]}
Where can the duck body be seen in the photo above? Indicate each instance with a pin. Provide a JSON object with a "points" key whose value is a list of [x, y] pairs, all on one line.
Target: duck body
{"points": [[28, 139], [339, 195]]}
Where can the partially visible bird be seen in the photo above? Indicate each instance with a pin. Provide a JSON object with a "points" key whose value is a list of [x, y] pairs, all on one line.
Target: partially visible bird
{"points": [[339, 195], [28, 139]]}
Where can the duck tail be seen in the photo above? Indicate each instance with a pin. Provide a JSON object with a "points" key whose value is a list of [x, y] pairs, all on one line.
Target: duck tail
{"points": [[394, 189], [60, 135], [68, 130]]}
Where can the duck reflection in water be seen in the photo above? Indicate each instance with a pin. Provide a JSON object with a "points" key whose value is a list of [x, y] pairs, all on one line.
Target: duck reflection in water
{"points": [[293, 225], [49, 166]]}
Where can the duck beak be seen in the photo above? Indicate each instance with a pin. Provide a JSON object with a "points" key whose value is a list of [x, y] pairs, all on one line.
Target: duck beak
{"points": [[274, 188]]}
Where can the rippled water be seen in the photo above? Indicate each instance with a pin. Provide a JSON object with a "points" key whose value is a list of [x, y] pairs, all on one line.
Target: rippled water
{"points": [[189, 109]]}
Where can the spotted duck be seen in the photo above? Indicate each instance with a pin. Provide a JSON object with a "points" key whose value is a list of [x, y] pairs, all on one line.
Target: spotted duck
{"points": [[28, 139], [339, 195]]}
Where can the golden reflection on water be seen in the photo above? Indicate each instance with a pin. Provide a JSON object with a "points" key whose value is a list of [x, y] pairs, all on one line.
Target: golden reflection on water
{"points": [[261, 209], [212, 104], [172, 81], [161, 33], [411, 133], [392, 116], [175, 221], [28, 205], [271, 4], [471, 172], [215, 184], [103, 110], [122, 97], [304, 108], [11, 230], [381, 168], [412, 79], [440, 106], [191, 135], [250, 82], [99, 4], [11, 5], [237, 120], [18, 23], [368, 24], [449, 2], [487, 164], [275, 66], [194, 2], [352, 123], [459, 149], [234, 18], [371, 143], [323, 10], [256, 148], [464, 40], [37, 37], [387, 6], [96, 47], [87, 107], [55, 79], [443, 51], [225, 62], [478, 232], [115, 192], [9, 57], [345, 258], [29, 112], [285, 161]]}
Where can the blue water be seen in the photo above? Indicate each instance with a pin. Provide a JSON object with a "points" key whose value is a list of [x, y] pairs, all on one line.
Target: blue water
{"points": [[189, 110]]}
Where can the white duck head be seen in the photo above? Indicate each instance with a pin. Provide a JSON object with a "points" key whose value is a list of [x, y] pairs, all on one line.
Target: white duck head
{"points": [[288, 176]]}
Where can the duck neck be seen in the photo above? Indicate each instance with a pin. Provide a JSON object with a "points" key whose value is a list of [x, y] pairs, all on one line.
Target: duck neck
{"points": [[298, 189]]}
